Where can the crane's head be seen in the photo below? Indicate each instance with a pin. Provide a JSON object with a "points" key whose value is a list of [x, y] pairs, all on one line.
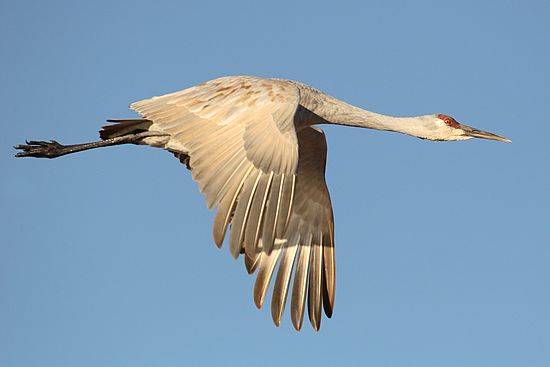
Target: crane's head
{"points": [[450, 129]]}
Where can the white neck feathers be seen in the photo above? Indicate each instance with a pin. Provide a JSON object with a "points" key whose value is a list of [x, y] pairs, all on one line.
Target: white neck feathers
{"points": [[335, 111]]}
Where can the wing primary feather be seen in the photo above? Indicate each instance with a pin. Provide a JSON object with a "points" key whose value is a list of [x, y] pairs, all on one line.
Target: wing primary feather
{"points": [[241, 214], [223, 216], [300, 285], [269, 244], [282, 281], [265, 272], [315, 283], [251, 263], [285, 206], [270, 216], [291, 201], [254, 223], [329, 276], [249, 206]]}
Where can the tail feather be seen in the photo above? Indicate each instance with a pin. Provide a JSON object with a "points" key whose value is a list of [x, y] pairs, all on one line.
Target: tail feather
{"points": [[124, 127], [135, 126]]}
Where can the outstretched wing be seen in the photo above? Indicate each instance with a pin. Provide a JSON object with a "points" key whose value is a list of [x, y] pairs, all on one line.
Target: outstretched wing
{"points": [[309, 239], [239, 134], [244, 154]]}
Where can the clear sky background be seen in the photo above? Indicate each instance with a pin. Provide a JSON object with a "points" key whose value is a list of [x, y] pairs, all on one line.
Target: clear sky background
{"points": [[443, 249]]}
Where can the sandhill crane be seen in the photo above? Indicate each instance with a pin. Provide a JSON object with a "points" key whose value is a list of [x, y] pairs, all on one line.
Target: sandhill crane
{"points": [[251, 145]]}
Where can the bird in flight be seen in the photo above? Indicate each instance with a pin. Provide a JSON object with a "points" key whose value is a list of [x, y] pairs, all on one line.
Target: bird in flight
{"points": [[252, 147]]}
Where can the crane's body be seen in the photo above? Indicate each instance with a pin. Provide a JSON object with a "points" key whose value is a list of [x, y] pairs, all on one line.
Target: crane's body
{"points": [[252, 147]]}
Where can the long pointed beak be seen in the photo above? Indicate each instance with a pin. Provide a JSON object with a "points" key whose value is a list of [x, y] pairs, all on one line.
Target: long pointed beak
{"points": [[475, 133]]}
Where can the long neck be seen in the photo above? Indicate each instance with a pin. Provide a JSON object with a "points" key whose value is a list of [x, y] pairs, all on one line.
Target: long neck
{"points": [[335, 111]]}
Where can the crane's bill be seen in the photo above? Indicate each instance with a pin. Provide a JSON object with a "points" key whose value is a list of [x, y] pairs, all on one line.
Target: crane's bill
{"points": [[475, 133]]}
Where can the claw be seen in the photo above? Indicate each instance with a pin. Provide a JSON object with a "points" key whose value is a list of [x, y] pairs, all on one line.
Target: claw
{"points": [[39, 149]]}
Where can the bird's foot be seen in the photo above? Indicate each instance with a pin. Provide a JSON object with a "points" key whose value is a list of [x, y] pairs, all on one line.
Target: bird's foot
{"points": [[40, 149]]}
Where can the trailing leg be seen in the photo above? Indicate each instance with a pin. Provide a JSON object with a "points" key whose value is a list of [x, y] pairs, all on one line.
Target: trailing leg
{"points": [[52, 149]]}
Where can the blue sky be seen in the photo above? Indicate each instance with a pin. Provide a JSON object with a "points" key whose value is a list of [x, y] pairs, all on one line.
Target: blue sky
{"points": [[106, 257]]}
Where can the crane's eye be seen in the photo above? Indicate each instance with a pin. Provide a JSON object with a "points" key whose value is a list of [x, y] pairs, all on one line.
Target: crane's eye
{"points": [[449, 121]]}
